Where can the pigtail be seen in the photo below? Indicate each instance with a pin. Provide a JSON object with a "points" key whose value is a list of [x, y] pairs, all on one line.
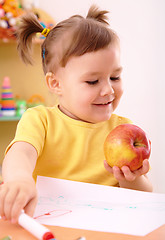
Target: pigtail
{"points": [[28, 27], [97, 14]]}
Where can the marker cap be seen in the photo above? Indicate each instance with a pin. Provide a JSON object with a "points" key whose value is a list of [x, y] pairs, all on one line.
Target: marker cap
{"points": [[48, 236]]}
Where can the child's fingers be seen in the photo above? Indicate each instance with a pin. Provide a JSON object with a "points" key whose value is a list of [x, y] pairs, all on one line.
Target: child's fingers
{"points": [[118, 174], [129, 176], [19, 204], [17, 196], [144, 169], [125, 173], [27, 200], [30, 207], [6, 201], [107, 167], [9, 201], [146, 166], [3, 192]]}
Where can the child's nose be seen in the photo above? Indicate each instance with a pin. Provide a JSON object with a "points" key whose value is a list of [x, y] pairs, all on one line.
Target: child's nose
{"points": [[107, 89]]}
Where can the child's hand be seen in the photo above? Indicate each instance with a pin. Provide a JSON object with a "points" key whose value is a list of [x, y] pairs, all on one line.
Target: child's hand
{"points": [[125, 174], [15, 196]]}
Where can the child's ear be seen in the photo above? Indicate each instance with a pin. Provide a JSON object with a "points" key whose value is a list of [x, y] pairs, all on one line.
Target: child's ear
{"points": [[53, 83]]}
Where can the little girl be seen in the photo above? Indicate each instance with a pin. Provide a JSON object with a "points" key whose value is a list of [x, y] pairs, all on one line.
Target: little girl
{"points": [[81, 61]]}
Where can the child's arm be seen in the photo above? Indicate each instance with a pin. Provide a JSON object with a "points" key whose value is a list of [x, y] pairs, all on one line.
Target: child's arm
{"points": [[18, 191], [136, 180]]}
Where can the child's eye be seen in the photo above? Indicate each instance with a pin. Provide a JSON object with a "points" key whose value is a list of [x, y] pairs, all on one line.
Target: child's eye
{"points": [[92, 82], [114, 78]]}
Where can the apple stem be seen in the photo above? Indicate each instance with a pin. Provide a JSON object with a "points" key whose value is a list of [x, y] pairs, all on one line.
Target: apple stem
{"points": [[139, 144]]}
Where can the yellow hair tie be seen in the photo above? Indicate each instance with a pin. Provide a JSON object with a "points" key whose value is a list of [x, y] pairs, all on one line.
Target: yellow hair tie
{"points": [[45, 32]]}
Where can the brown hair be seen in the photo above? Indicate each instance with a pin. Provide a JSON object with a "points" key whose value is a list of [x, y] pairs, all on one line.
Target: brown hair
{"points": [[74, 36]]}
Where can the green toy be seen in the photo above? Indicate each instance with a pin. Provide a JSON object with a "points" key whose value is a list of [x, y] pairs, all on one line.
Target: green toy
{"points": [[21, 107]]}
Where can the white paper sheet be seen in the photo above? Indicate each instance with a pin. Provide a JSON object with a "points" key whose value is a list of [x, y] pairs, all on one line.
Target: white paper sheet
{"points": [[99, 208]]}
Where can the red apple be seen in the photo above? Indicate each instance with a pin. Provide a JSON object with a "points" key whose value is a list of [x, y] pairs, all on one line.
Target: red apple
{"points": [[127, 145]]}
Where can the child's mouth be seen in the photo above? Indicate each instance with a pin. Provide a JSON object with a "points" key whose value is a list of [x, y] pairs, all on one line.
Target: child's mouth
{"points": [[103, 104]]}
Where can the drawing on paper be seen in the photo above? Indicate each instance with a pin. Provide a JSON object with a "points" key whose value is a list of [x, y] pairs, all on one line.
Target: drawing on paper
{"points": [[53, 214], [53, 207]]}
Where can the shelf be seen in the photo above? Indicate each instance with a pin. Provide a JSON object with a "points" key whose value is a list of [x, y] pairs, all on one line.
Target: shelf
{"points": [[6, 119], [14, 41]]}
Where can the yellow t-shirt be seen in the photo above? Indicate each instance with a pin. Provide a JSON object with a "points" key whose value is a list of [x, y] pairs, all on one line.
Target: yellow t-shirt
{"points": [[67, 148]]}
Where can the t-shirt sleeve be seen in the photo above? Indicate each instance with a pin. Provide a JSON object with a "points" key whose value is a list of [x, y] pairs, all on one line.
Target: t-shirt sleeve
{"points": [[124, 120], [31, 129], [116, 120]]}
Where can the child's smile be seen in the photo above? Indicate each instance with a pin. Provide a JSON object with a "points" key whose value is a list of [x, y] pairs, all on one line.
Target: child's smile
{"points": [[105, 103]]}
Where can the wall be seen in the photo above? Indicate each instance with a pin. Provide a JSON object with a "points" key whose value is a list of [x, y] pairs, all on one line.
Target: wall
{"points": [[140, 25]]}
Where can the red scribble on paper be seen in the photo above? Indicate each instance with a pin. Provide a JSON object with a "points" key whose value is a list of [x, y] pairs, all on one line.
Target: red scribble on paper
{"points": [[53, 213]]}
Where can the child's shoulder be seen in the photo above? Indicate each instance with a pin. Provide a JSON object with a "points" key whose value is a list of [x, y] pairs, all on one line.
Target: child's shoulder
{"points": [[40, 110], [117, 120], [39, 113]]}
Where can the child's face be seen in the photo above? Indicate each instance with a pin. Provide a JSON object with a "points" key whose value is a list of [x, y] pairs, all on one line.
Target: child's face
{"points": [[90, 85]]}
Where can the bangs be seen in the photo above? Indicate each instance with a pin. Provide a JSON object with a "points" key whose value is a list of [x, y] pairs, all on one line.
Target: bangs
{"points": [[88, 36]]}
